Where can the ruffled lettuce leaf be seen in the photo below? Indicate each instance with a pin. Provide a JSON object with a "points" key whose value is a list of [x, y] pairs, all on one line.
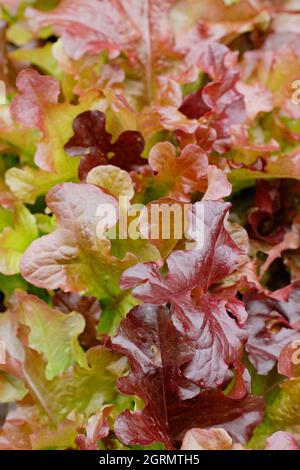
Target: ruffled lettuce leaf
{"points": [[156, 352]]}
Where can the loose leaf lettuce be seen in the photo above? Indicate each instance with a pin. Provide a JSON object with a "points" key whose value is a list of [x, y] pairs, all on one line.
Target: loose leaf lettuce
{"points": [[156, 353], [216, 336], [115, 116]]}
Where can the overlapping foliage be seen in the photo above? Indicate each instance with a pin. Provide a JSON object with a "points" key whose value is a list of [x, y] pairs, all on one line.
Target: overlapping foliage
{"points": [[111, 342]]}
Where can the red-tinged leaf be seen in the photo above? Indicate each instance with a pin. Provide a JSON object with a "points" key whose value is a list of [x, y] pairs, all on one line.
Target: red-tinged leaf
{"points": [[168, 118], [140, 29], [16, 432], [89, 308], [276, 66], [171, 102], [40, 420], [36, 106], [282, 441], [97, 429], [271, 324], [36, 93], [163, 113], [205, 137], [155, 47], [88, 27], [179, 175], [246, 271], [156, 350], [208, 439], [241, 141], [30, 83], [217, 337], [258, 99], [289, 360], [219, 103], [45, 322], [259, 160], [84, 73], [259, 165], [25, 428], [73, 257], [283, 72], [222, 21], [214, 59], [285, 165], [215, 255], [218, 185], [94, 143]]}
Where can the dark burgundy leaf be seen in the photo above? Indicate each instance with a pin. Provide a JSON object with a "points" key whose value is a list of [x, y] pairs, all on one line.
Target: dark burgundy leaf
{"points": [[194, 106], [94, 143], [265, 216], [217, 337], [173, 405]]}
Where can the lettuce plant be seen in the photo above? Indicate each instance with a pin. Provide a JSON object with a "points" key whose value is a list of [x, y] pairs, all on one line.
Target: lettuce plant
{"points": [[117, 118]]}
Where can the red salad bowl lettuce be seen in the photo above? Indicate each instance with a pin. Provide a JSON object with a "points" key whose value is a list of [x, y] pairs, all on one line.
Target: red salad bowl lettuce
{"points": [[149, 224]]}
